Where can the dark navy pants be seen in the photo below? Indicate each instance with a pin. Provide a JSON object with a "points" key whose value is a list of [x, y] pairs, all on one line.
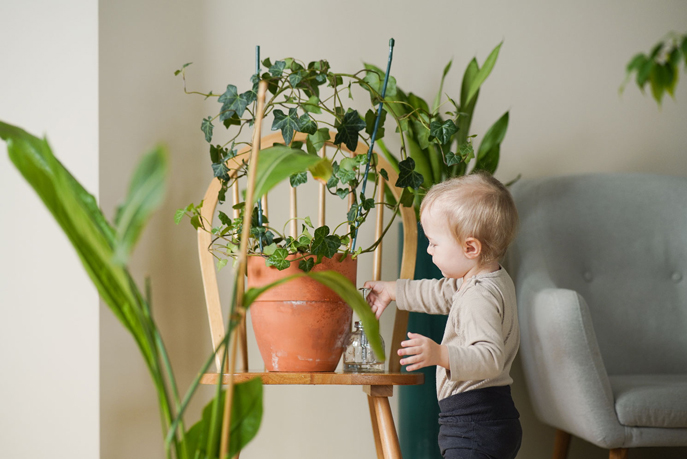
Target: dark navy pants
{"points": [[479, 424]]}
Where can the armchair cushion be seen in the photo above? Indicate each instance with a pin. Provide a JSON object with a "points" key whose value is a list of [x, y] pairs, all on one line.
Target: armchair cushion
{"points": [[651, 400]]}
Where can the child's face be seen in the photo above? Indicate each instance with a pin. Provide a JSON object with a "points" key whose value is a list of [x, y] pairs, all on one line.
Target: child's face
{"points": [[451, 257]]}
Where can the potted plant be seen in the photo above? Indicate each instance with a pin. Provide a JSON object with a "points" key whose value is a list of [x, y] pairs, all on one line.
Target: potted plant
{"points": [[306, 105]]}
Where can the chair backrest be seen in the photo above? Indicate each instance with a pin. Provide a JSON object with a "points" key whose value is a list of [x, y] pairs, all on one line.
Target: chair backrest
{"points": [[209, 273], [620, 240]]}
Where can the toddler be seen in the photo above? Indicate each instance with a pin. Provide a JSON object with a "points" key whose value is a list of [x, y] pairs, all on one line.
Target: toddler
{"points": [[469, 221]]}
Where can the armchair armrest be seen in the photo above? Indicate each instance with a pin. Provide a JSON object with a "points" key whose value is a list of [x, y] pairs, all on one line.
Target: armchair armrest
{"points": [[565, 373]]}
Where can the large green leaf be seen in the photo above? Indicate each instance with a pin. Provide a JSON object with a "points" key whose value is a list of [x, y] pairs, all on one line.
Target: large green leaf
{"points": [[246, 416], [279, 162], [422, 164], [467, 108], [489, 149], [146, 192], [483, 73]]}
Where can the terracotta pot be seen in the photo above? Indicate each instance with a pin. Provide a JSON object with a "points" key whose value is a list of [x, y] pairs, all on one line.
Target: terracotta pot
{"points": [[300, 325]]}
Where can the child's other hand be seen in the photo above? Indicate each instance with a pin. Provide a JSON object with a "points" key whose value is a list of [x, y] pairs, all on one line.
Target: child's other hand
{"points": [[381, 294], [423, 352]]}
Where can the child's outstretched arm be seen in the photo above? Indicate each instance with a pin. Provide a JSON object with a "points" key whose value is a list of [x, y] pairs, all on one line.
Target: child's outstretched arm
{"points": [[381, 294], [423, 352]]}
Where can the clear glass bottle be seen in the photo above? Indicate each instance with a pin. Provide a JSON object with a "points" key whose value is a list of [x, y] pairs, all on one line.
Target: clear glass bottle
{"points": [[359, 356]]}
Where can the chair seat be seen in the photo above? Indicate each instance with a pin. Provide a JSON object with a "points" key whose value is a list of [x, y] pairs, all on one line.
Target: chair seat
{"points": [[322, 378], [651, 400]]}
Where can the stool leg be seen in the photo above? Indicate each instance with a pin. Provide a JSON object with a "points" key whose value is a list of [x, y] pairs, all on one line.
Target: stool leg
{"points": [[561, 445], [387, 429], [375, 428]]}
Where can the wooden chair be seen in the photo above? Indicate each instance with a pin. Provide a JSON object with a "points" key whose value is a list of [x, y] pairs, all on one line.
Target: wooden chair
{"points": [[377, 386]]}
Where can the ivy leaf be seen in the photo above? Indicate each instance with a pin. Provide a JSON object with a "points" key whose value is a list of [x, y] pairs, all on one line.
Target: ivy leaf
{"points": [[234, 120], [232, 103], [308, 222], [178, 215], [370, 118], [334, 179], [452, 158], [467, 152], [348, 128], [306, 265], [307, 125], [407, 177], [216, 153], [346, 172], [221, 263], [376, 82], [267, 63], [442, 132], [368, 203], [352, 214], [407, 198], [278, 259], [182, 68], [342, 192], [270, 249], [384, 174], [195, 221], [224, 218], [324, 244], [312, 105], [316, 141], [206, 126], [278, 68], [296, 78], [298, 179], [287, 124], [221, 171]]}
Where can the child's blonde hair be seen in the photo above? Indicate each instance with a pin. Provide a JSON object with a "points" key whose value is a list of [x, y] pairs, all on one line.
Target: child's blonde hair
{"points": [[479, 206]]}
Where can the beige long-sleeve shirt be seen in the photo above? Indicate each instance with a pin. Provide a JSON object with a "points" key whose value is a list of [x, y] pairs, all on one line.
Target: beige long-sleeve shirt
{"points": [[482, 333]]}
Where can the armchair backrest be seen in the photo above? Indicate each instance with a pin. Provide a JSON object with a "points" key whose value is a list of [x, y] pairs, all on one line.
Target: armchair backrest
{"points": [[620, 241]]}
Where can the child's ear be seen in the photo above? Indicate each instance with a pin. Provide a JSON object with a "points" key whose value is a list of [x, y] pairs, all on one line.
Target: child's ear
{"points": [[472, 248]]}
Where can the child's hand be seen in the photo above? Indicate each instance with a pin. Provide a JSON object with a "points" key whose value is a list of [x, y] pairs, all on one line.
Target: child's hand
{"points": [[424, 353], [381, 294]]}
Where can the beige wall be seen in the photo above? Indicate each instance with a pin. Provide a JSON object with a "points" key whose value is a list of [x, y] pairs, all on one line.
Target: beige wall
{"points": [[48, 307], [558, 74]]}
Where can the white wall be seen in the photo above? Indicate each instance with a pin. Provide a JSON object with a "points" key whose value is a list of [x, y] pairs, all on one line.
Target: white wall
{"points": [[48, 307], [558, 74]]}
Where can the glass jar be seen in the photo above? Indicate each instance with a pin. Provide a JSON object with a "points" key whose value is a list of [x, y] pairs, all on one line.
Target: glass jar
{"points": [[359, 356]]}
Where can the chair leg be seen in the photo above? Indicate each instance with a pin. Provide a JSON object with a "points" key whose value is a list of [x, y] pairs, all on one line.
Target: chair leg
{"points": [[561, 445], [375, 428], [385, 420], [618, 453]]}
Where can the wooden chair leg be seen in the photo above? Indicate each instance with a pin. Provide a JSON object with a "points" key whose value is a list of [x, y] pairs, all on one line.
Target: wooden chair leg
{"points": [[375, 428], [618, 453], [385, 420], [561, 445]]}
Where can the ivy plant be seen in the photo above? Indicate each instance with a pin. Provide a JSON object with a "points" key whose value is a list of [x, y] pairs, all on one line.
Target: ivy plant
{"points": [[310, 99]]}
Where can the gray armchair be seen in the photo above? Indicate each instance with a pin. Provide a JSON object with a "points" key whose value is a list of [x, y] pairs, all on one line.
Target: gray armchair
{"points": [[600, 267]]}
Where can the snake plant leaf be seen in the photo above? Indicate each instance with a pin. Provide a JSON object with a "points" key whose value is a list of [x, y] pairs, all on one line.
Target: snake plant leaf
{"points": [[146, 193], [422, 163], [288, 124], [370, 120], [348, 128], [483, 73], [468, 108], [233, 103], [279, 162], [437, 99], [442, 132], [489, 150], [206, 126], [246, 416], [407, 177]]}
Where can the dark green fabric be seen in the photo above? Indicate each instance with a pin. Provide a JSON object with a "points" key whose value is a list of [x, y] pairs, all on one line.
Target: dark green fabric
{"points": [[418, 409]]}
